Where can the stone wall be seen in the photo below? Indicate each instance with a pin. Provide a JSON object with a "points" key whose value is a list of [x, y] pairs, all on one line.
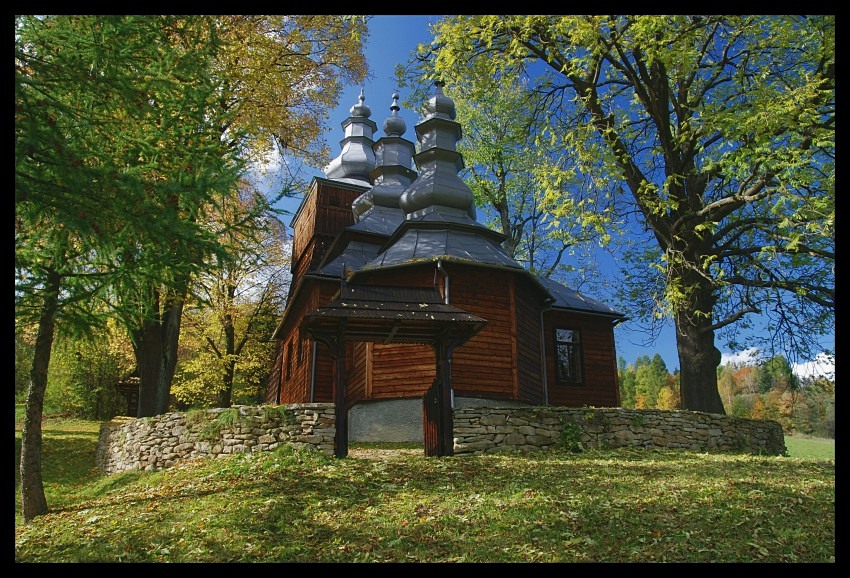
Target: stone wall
{"points": [[154, 443], [158, 442], [486, 430]]}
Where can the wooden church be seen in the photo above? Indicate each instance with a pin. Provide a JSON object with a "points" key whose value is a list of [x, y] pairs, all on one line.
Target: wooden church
{"points": [[403, 307]]}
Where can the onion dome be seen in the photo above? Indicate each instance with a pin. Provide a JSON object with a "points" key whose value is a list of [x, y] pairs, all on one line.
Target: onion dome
{"points": [[361, 108], [392, 173], [357, 159], [438, 188], [394, 125]]}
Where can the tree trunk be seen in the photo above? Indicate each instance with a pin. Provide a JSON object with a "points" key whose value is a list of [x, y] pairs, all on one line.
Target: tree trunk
{"points": [[173, 317], [225, 394], [155, 346], [33, 501], [698, 357]]}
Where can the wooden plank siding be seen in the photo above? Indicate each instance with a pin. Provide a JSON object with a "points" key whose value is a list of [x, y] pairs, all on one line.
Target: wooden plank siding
{"points": [[600, 385], [322, 381], [273, 383], [401, 370], [529, 358], [355, 371], [324, 213], [295, 384], [484, 365]]}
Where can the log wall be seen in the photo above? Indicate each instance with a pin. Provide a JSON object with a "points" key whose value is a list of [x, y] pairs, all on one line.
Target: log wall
{"points": [[600, 384]]}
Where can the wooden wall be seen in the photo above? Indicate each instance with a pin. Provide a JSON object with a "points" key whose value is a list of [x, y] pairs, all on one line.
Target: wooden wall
{"points": [[528, 299], [486, 365], [401, 370], [503, 361], [273, 384], [324, 214], [295, 384], [600, 383]]}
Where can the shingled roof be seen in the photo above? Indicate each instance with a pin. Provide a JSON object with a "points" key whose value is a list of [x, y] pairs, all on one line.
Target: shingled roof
{"points": [[392, 315]]}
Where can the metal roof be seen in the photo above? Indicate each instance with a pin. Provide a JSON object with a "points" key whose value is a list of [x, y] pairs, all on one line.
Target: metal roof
{"points": [[566, 298], [356, 159], [391, 315], [379, 220], [417, 244], [355, 256]]}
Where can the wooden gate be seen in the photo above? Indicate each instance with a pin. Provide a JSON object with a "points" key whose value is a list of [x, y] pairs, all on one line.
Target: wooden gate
{"points": [[431, 420]]}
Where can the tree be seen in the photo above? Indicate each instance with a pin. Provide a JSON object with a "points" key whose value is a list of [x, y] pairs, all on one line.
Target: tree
{"points": [[650, 379], [276, 79], [721, 129], [84, 371], [818, 407], [110, 120], [237, 302], [726, 385], [515, 171], [626, 376], [282, 75]]}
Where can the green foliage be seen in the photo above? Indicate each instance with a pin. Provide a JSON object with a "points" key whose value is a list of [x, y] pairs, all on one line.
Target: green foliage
{"points": [[543, 507], [24, 349], [766, 391], [647, 385], [196, 416], [226, 419], [234, 309], [715, 133], [281, 412], [83, 374], [571, 438]]}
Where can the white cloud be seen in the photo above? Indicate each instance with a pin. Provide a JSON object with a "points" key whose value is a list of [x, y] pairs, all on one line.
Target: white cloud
{"points": [[822, 364], [748, 356]]}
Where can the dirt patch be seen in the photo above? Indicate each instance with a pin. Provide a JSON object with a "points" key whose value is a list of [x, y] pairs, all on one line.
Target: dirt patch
{"points": [[384, 453]]}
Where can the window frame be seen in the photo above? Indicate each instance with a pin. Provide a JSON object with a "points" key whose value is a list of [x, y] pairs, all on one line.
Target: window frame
{"points": [[289, 360], [575, 356]]}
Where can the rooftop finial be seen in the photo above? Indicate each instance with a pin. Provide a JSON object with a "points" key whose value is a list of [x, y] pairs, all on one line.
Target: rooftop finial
{"points": [[394, 125], [361, 109]]}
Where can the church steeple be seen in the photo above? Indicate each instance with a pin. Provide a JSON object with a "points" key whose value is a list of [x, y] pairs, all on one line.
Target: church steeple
{"points": [[438, 188], [357, 158], [392, 173], [439, 222]]}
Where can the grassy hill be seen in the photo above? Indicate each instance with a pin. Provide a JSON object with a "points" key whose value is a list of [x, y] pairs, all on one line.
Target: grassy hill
{"points": [[290, 506]]}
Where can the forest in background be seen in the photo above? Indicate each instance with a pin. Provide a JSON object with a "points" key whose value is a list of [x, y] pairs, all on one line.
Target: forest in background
{"points": [[769, 390]]}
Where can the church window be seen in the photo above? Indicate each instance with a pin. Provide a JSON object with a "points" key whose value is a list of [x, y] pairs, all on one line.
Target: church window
{"points": [[568, 355]]}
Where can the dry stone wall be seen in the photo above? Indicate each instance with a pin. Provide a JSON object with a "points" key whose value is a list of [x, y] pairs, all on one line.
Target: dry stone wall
{"points": [[487, 430], [159, 442], [155, 443]]}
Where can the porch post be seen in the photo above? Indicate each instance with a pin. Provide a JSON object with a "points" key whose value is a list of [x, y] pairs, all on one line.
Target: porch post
{"points": [[340, 404], [443, 399]]}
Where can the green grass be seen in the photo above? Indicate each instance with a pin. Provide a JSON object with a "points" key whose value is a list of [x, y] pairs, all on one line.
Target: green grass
{"points": [[604, 506], [807, 447]]}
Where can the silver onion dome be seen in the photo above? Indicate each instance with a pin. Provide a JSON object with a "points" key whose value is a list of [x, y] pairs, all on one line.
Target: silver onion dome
{"points": [[394, 125]]}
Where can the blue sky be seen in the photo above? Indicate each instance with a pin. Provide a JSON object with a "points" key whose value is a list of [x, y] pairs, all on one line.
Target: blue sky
{"points": [[391, 40]]}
